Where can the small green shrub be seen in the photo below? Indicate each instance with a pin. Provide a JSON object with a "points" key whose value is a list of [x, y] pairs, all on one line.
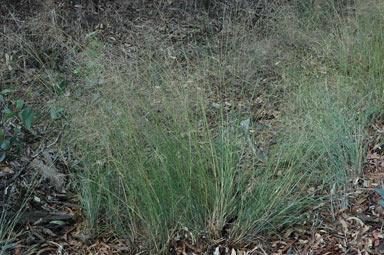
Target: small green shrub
{"points": [[18, 119]]}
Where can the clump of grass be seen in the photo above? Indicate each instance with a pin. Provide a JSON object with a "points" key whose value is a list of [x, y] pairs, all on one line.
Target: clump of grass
{"points": [[10, 213], [156, 160], [7, 225], [334, 93], [155, 179], [161, 164], [359, 49]]}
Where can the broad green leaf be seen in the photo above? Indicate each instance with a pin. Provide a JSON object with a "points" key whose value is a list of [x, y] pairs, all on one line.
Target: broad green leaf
{"points": [[90, 34], [53, 114], [5, 91], [24, 114], [28, 121], [57, 222], [17, 130], [93, 53], [380, 191], [95, 43], [8, 113], [19, 144], [19, 147], [56, 114], [77, 70], [19, 104], [2, 156], [62, 87], [5, 145], [27, 116]]}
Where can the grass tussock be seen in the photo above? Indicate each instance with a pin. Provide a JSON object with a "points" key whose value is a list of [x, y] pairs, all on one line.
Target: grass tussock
{"points": [[12, 206], [159, 159], [7, 226]]}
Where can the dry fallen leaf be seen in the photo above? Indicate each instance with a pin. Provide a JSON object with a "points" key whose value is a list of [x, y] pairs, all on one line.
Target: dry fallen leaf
{"points": [[344, 225], [49, 172]]}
